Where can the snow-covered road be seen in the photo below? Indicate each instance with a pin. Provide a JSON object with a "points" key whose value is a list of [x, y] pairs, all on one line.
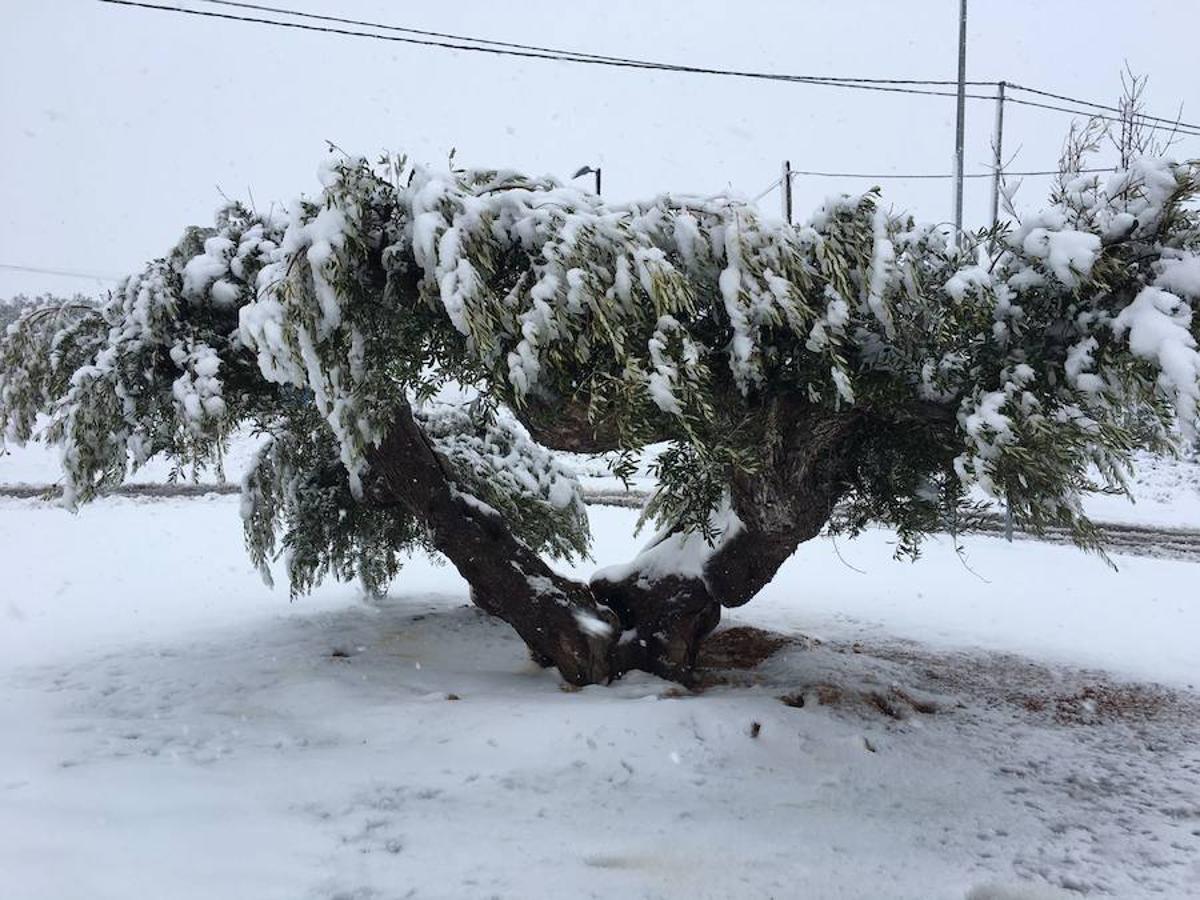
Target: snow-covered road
{"points": [[173, 728]]}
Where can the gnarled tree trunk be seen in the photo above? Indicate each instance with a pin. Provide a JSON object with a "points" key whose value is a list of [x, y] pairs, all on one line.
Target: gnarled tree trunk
{"points": [[643, 618], [557, 617], [786, 502]]}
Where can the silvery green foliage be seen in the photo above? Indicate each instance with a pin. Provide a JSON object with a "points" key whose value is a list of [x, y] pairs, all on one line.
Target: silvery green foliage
{"points": [[148, 370], [297, 503], [1096, 355], [502, 472], [1021, 362]]}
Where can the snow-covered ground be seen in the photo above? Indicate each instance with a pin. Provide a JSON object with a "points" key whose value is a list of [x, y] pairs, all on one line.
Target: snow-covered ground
{"points": [[173, 728], [1165, 491]]}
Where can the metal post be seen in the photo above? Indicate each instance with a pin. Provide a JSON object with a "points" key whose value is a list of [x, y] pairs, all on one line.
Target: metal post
{"points": [[998, 161], [597, 181], [961, 123], [786, 192]]}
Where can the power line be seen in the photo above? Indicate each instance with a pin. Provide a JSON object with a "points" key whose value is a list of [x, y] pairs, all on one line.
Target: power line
{"points": [[558, 52], [577, 54], [93, 276], [1110, 108], [1189, 130], [615, 62], [446, 40]]}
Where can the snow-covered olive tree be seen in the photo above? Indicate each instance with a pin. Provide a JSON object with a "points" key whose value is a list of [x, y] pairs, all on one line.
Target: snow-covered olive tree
{"points": [[415, 343]]}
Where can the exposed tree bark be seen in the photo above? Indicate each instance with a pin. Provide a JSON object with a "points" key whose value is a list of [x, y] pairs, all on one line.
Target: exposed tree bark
{"points": [[664, 621], [788, 501]]}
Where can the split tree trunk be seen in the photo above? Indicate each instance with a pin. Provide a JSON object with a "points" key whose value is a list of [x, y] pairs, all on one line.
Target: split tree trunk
{"points": [[804, 471], [644, 620]]}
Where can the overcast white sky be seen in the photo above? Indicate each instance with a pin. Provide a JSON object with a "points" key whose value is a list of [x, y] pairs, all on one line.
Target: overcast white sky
{"points": [[121, 126]]}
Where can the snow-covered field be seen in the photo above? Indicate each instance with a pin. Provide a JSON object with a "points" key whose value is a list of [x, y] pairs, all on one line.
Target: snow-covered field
{"points": [[173, 728]]}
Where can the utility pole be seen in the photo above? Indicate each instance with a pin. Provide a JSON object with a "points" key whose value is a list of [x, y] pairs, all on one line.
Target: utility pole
{"points": [[786, 193], [961, 123], [997, 164], [998, 160]]}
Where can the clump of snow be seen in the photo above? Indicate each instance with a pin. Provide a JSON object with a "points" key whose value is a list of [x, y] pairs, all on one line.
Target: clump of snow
{"points": [[1158, 323], [832, 324], [1079, 360], [842, 382], [197, 391], [1127, 204], [987, 429], [202, 270], [883, 259], [592, 625], [965, 280], [1180, 276], [1068, 253], [665, 381], [498, 450], [676, 554], [476, 504], [325, 234]]}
